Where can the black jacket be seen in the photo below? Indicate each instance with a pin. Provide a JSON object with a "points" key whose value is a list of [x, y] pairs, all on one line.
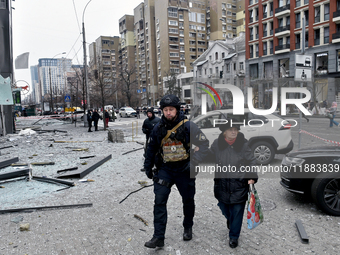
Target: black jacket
{"points": [[231, 186], [95, 116], [149, 124], [185, 132], [106, 115], [89, 117]]}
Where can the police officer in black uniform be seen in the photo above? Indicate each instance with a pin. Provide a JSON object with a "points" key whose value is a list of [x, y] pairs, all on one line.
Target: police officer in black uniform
{"points": [[149, 123], [170, 153]]}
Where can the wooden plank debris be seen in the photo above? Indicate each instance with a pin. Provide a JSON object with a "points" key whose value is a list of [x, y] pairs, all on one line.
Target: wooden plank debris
{"points": [[8, 162], [45, 207], [83, 171]]}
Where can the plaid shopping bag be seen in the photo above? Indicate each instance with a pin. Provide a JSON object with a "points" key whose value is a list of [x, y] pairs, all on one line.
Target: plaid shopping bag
{"points": [[254, 211]]}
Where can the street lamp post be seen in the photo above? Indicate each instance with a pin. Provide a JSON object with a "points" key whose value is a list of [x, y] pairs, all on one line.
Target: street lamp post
{"points": [[87, 104], [49, 73]]}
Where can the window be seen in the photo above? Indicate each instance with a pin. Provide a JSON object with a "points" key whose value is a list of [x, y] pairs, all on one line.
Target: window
{"points": [[280, 22], [298, 20], [201, 17], [297, 41], [227, 67], [317, 37], [306, 17], [264, 11], [317, 14], [216, 55], [223, 54], [265, 33], [271, 24], [192, 16], [216, 70], [173, 30], [180, 16], [271, 47], [172, 12], [251, 33], [251, 51], [173, 22], [253, 70], [241, 66], [264, 48], [326, 9], [298, 3], [326, 35], [271, 8]]}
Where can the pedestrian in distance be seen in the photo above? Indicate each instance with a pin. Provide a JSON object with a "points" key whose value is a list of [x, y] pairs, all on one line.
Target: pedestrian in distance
{"points": [[107, 118], [169, 151], [332, 110], [138, 113], [148, 126], [95, 118], [89, 119], [231, 150]]}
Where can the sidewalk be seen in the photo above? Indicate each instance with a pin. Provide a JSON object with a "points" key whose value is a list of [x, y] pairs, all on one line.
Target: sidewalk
{"points": [[111, 228]]}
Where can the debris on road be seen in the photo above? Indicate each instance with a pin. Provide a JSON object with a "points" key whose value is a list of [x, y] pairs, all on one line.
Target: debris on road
{"points": [[80, 173], [141, 219], [24, 227], [45, 208], [133, 150], [43, 163], [8, 162], [51, 180]]}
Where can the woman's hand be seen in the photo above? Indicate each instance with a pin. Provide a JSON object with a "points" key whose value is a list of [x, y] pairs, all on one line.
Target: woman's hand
{"points": [[251, 181]]}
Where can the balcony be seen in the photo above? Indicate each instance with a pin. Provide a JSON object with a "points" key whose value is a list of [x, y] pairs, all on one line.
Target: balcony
{"points": [[284, 30], [336, 16], [283, 10], [282, 48], [336, 37]]}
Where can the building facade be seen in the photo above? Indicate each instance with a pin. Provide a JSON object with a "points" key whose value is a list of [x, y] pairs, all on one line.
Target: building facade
{"points": [[52, 75], [275, 36]]}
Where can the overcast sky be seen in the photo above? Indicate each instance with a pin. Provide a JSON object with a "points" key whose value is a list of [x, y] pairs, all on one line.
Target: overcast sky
{"points": [[48, 27]]}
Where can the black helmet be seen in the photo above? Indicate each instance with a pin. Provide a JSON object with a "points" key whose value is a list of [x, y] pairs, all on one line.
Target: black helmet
{"points": [[170, 100]]}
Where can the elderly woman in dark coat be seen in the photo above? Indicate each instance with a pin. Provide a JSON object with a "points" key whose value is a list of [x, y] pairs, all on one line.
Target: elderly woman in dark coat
{"points": [[232, 153]]}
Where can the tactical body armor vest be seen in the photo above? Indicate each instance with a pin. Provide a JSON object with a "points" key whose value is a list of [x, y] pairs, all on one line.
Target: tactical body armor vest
{"points": [[173, 149]]}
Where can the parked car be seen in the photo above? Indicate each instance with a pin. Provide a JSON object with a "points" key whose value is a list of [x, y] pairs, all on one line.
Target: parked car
{"points": [[271, 136], [314, 172], [127, 112]]}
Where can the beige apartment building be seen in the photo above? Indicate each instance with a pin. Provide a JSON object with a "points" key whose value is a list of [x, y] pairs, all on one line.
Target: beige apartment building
{"points": [[165, 37]]}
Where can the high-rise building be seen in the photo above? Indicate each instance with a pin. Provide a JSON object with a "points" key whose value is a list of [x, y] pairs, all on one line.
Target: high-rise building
{"points": [[52, 75], [274, 36], [36, 95]]}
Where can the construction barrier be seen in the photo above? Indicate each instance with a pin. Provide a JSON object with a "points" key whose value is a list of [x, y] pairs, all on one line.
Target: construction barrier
{"points": [[326, 140]]}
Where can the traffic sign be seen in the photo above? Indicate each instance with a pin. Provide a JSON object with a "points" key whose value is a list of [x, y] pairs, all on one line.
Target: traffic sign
{"points": [[67, 98]]}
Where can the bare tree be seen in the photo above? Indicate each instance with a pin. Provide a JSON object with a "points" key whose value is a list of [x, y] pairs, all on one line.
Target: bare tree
{"points": [[171, 84], [102, 87], [128, 84]]}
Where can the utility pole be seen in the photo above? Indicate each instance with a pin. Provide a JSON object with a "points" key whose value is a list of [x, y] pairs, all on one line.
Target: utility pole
{"points": [[301, 83], [87, 105]]}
